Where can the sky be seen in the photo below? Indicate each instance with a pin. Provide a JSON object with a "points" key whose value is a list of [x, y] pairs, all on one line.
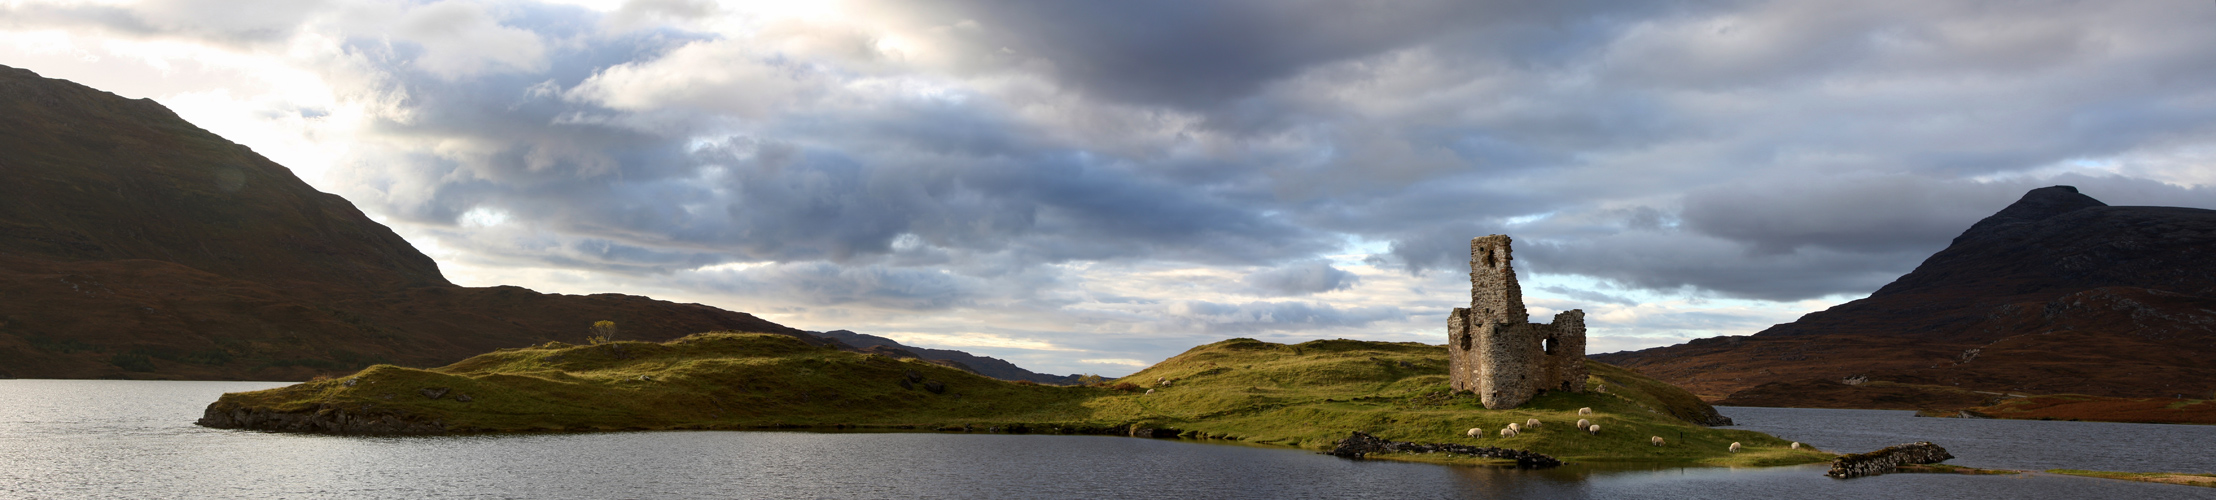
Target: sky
{"points": [[1092, 187]]}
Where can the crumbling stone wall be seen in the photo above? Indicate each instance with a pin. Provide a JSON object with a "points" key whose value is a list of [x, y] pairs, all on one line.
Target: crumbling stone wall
{"points": [[1887, 459], [1493, 348]]}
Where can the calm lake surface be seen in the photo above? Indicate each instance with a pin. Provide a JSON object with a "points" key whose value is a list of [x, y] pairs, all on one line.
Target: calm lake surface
{"points": [[132, 439]]}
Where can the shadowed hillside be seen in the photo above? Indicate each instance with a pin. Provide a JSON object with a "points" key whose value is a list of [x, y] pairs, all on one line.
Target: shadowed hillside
{"points": [[136, 245], [982, 365], [2058, 293]]}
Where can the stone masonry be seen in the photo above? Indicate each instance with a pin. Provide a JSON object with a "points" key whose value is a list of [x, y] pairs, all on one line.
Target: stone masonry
{"points": [[1492, 347]]}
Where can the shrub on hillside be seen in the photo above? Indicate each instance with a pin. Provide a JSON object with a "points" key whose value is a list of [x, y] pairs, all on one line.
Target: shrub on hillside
{"points": [[602, 331]]}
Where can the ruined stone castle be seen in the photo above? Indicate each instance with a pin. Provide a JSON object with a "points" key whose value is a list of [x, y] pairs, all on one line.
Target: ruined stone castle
{"points": [[1492, 347]]}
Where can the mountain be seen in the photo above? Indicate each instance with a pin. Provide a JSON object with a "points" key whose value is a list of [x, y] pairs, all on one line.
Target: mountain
{"points": [[136, 245], [2058, 293], [981, 365]]}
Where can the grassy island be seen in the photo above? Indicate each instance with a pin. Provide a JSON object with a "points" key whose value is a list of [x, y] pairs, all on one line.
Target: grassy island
{"points": [[1306, 395]]}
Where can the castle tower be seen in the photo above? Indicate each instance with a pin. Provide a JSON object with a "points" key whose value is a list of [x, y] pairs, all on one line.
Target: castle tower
{"points": [[1492, 347]]}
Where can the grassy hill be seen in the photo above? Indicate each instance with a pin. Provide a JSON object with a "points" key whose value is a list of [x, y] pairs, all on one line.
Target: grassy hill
{"points": [[1305, 395]]}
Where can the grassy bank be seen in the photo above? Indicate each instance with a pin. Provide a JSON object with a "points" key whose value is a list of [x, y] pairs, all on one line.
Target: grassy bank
{"points": [[2094, 408], [2205, 480], [1305, 395]]}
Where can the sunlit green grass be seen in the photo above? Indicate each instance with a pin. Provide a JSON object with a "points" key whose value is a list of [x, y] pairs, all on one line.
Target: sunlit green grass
{"points": [[1305, 395]]}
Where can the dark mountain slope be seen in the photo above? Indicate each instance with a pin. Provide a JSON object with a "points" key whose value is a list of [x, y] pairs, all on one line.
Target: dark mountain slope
{"points": [[981, 365], [2057, 293], [134, 244], [95, 177]]}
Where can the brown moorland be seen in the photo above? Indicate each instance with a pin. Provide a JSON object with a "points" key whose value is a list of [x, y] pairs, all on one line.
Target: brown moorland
{"points": [[2096, 408]]}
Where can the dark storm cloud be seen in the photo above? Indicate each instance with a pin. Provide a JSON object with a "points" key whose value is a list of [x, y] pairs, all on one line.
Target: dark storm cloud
{"points": [[838, 185], [1850, 214], [1672, 262], [1795, 239], [1889, 213], [1209, 55]]}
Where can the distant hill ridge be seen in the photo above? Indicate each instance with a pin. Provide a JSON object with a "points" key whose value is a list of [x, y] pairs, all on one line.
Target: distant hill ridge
{"points": [[2057, 293], [981, 365], [136, 245]]}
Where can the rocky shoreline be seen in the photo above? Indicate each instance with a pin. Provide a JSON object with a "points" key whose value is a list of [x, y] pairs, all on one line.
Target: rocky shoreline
{"points": [[323, 419], [1361, 444]]}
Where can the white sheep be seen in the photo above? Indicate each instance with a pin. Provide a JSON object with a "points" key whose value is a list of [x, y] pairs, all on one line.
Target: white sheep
{"points": [[1512, 426], [1796, 445], [1593, 429], [1657, 440], [1149, 391], [1584, 411], [1508, 432], [1583, 423], [1531, 424], [1476, 432], [1734, 446]]}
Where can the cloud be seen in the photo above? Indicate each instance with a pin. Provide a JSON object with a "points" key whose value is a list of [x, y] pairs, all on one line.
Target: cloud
{"points": [[235, 23], [1301, 278], [1130, 180], [463, 39], [1275, 316], [824, 284], [1134, 363], [1587, 295]]}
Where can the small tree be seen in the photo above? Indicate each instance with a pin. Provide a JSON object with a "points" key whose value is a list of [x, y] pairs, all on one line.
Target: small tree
{"points": [[603, 331]]}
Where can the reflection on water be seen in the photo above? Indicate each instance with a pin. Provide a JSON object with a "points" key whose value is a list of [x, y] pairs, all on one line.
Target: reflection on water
{"points": [[75, 439], [1996, 444]]}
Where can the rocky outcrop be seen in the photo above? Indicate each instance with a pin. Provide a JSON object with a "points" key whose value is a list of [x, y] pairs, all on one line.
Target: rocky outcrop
{"points": [[1138, 431], [1360, 444], [323, 419], [1885, 460]]}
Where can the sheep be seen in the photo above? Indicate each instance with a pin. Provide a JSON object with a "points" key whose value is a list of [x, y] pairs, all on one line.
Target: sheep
{"points": [[1734, 446], [1532, 423], [1796, 445], [1584, 411], [1583, 423], [1593, 429], [1657, 440], [1512, 426], [1508, 432], [1149, 391], [1476, 432]]}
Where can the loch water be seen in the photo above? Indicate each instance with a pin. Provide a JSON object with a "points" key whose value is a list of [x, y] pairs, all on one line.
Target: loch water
{"points": [[135, 439]]}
